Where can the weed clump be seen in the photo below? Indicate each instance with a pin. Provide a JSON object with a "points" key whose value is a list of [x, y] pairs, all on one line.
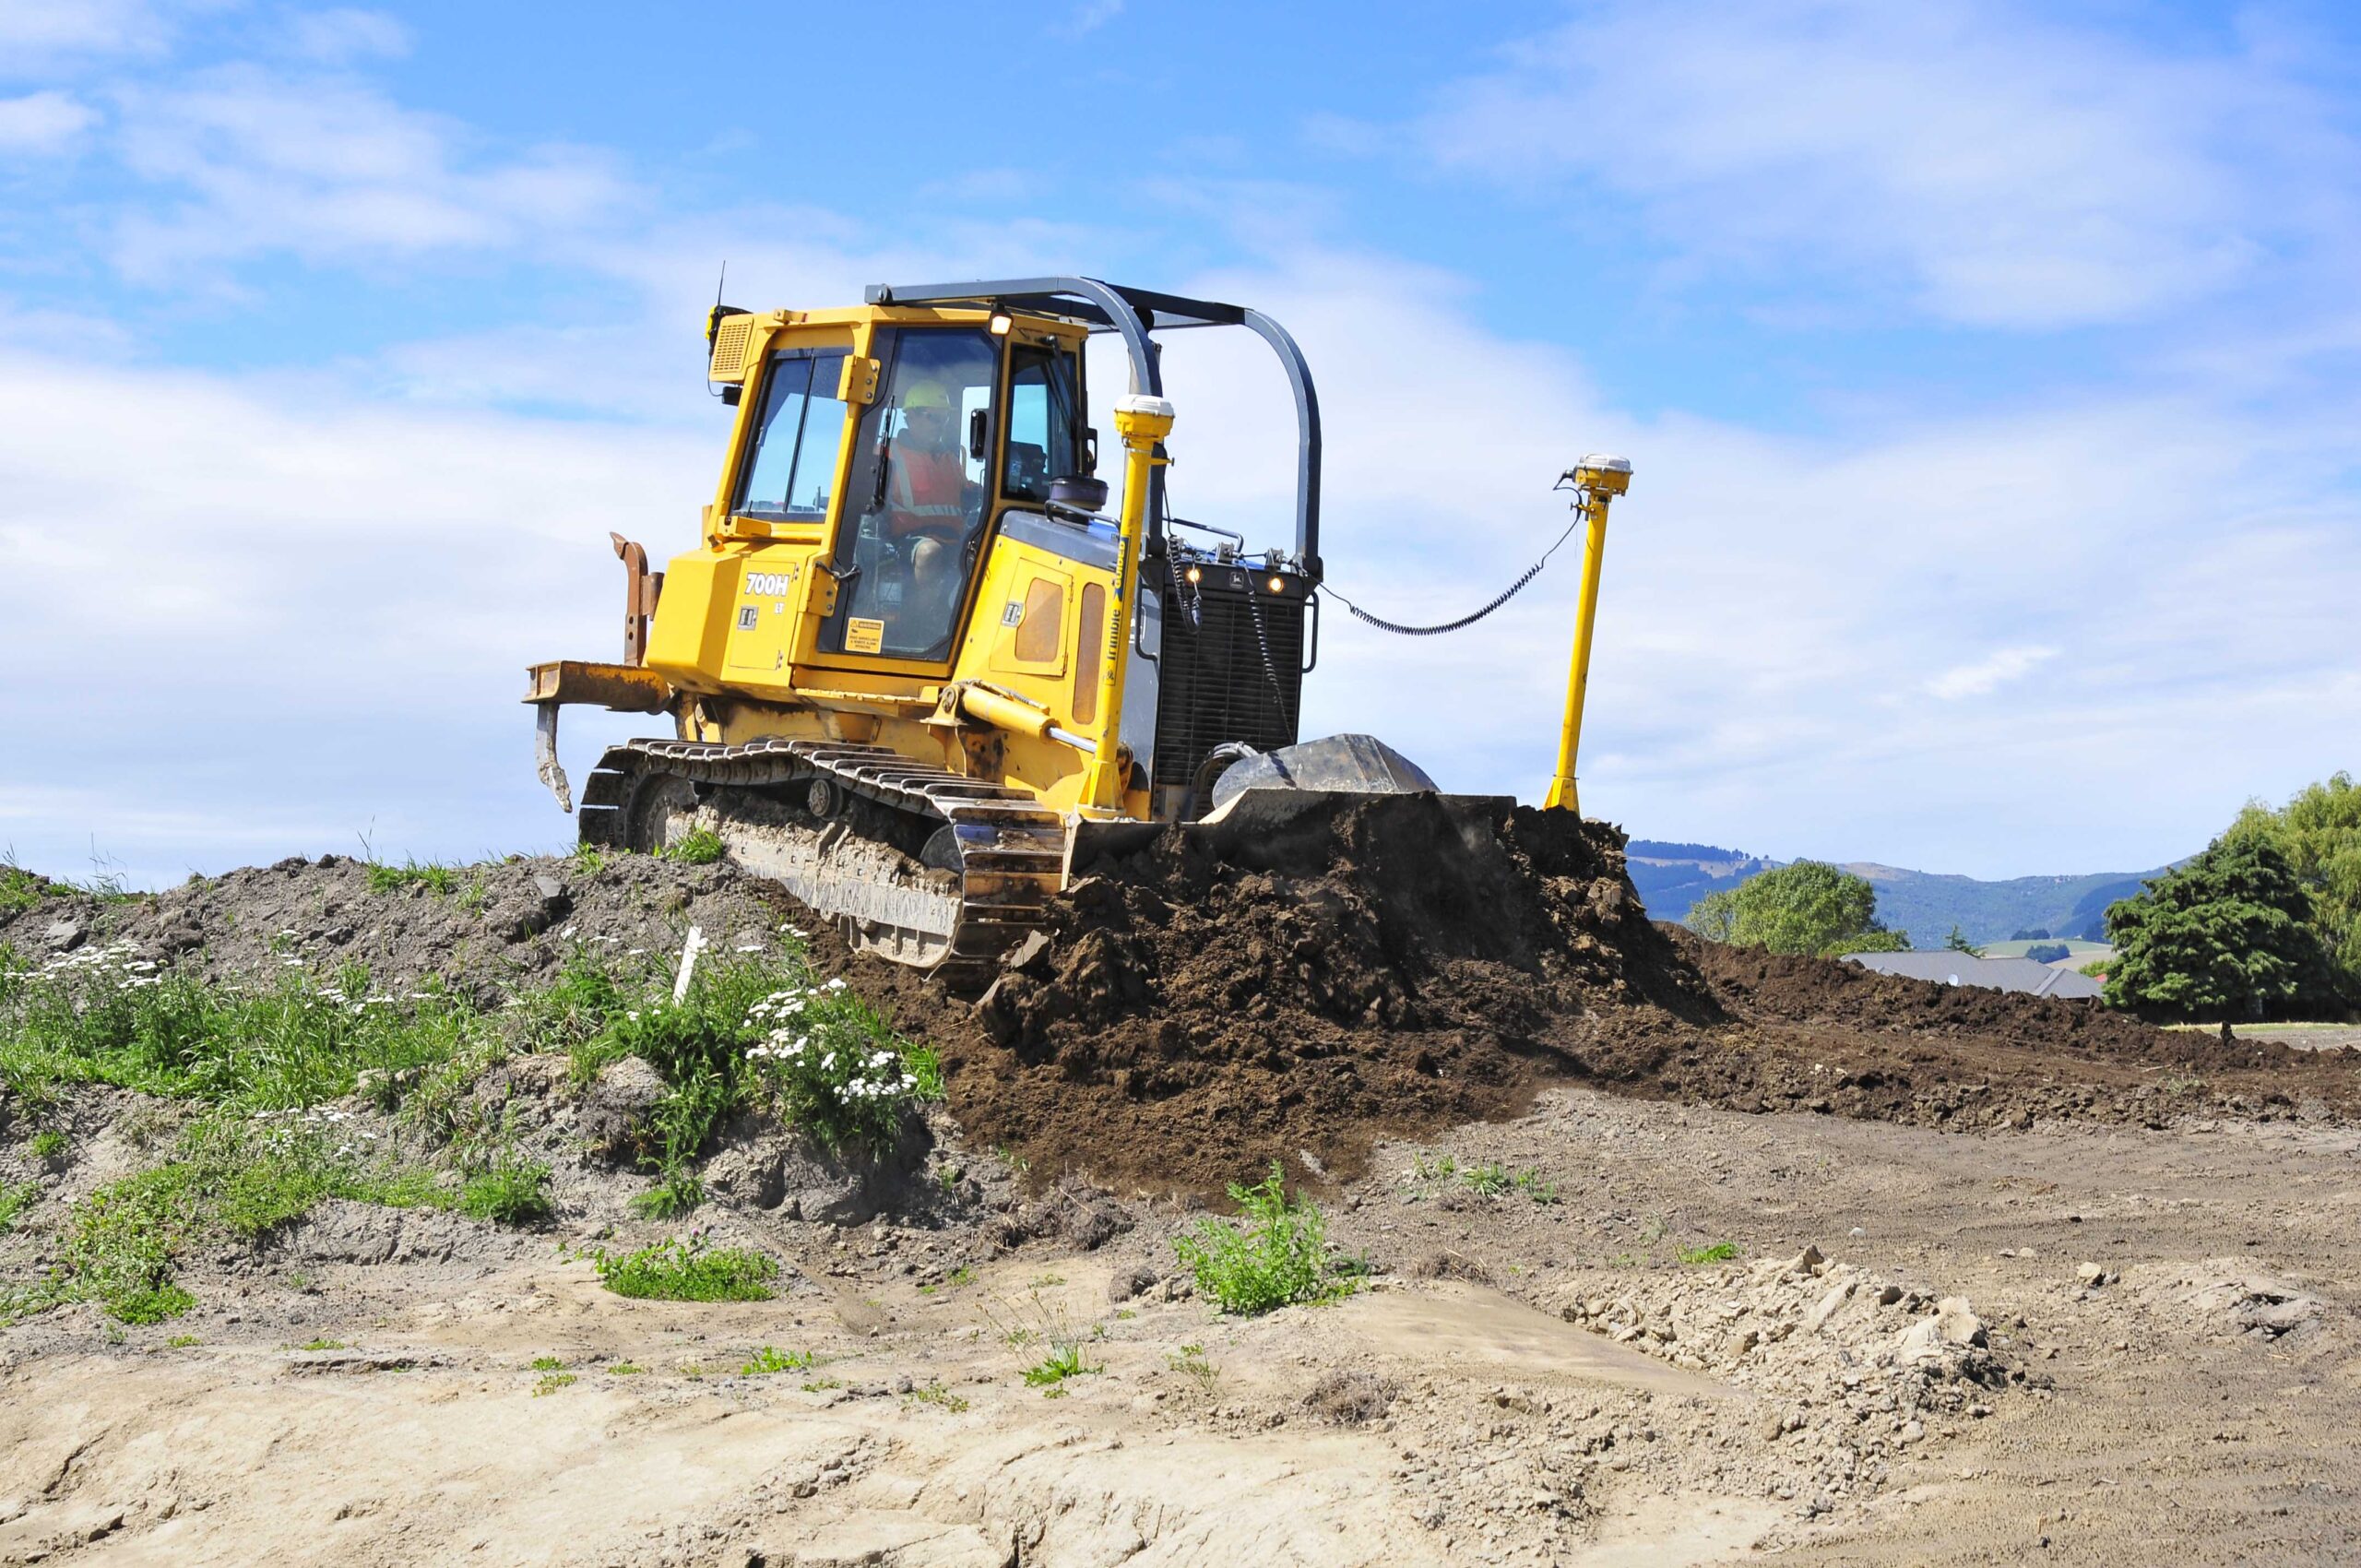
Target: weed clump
{"points": [[14, 1198], [1720, 1251], [767, 1361], [433, 875], [1278, 1255], [751, 1035], [103, 1014], [1065, 1360], [676, 1270], [511, 1190], [226, 1180], [699, 847]]}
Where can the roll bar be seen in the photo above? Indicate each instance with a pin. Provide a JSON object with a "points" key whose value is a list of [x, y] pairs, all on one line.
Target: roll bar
{"points": [[1136, 314]]}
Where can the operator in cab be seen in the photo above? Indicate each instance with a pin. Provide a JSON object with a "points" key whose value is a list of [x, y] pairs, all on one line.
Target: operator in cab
{"points": [[928, 501]]}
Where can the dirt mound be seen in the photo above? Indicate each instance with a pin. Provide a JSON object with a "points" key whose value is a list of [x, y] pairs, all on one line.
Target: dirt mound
{"points": [[1294, 988], [1754, 983], [1209, 1001], [1214, 1000], [482, 929]]}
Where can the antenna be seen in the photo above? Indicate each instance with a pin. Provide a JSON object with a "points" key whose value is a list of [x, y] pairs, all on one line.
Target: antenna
{"points": [[713, 324]]}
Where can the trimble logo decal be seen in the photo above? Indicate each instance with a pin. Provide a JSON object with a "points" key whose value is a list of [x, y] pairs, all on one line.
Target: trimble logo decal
{"points": [[772, 583]]}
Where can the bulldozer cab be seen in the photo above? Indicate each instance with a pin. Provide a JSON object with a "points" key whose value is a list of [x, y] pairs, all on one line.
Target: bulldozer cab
{"points": [[966, 424], [906, 445]]}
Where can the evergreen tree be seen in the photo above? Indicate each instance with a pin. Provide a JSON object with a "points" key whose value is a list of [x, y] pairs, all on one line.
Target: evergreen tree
{"points": [[2227, 935]]}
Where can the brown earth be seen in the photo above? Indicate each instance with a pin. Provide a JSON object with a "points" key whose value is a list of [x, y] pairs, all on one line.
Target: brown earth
{"points": [[1202, 1009]]}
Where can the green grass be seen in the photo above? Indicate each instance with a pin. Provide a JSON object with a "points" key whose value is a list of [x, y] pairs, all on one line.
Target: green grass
{"points": [[14, 1199], [20, 889], [1277, 1253], [227, 1179], [324, 1344], [1192, 1364], [261, 1057], [1488, 1181], [767, 1361], [677, 1192], [699, 847], [48, 1145], [750, 1034], [624, 1369], [552, 1383], [1720, 1251], [511, 1191], [675, 1270], [935, 1393], [1064, 1361], [548, 1364], [104, 1015], [183, 1342], [433, 875]]}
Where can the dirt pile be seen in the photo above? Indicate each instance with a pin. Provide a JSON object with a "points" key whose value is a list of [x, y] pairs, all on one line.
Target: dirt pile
{"points": [[1213, 1000], [483, 928], [1207, 1002]]}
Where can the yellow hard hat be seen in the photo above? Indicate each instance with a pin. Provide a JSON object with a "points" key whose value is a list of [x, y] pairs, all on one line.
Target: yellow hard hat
{"points": [[926, 395]]}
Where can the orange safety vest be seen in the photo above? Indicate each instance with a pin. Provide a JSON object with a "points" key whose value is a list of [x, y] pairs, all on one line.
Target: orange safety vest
{"points": [[928, 493]]}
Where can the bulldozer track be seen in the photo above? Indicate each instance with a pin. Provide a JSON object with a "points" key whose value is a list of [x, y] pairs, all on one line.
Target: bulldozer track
{"points": [[1012, 850]]}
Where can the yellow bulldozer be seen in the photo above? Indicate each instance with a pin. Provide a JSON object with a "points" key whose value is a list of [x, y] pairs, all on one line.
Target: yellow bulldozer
{"points": [[921, 672]]}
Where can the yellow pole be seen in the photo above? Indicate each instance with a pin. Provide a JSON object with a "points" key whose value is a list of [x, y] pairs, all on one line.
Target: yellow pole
{"points": [[1142, 422], [1597, 481]]}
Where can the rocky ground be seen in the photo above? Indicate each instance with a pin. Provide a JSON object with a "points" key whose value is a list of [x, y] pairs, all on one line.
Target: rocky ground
{"points": [[2063, 1292]]}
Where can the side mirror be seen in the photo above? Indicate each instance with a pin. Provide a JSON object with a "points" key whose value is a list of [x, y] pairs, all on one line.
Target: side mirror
{"points": [[979, 434], [732, 393], [1090, 450]]}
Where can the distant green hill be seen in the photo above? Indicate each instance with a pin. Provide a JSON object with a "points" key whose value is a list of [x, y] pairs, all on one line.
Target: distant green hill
{"points": [[1671, 877]]}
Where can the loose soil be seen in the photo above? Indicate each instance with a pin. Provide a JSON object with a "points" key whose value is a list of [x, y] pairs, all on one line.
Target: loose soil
{"points": [[1203, 1008], [1204, 1004]]}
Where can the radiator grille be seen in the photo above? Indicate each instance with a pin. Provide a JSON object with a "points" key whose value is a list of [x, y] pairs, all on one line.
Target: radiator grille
{"points": [[1232, 670]]}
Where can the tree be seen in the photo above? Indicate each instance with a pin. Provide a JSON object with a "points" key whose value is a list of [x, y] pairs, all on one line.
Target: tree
{"points": [[1957, 944], [2229, 934], [1805, 907], [2319, 830], [2049, 952]]}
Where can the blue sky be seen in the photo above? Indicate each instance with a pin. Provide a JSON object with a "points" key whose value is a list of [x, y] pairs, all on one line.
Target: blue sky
{"points": [[1987, 370]]}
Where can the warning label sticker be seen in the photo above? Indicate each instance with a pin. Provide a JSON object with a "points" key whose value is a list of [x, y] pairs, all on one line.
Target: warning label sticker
{"points": [[863, 637]]}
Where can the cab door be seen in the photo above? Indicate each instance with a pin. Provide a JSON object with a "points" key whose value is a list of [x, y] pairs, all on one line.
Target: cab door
{"points": [[918, 505]]}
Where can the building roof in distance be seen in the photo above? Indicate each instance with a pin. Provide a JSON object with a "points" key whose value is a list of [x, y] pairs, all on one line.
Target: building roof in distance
{"points": [[1946, 967]]}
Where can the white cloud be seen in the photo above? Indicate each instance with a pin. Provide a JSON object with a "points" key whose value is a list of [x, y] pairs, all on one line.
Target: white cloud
{"points": [[1089, 17], [338, 37], [38, 35], [1768, 602], [44, 123], [329, 170], [1987, 675], [1996, 164]]}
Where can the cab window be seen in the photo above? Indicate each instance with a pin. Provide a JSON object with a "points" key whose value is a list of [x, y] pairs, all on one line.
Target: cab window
{"points": [[1042, 421], [798, 431], [918, 503]]}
